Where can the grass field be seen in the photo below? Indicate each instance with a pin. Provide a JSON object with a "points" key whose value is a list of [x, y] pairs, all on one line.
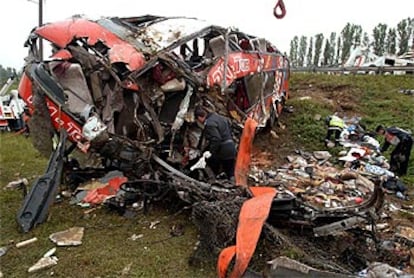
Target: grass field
{"points": [[107, 251]]}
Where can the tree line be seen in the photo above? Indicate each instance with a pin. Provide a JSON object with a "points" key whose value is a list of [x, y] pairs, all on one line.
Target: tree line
{"points": [[335, 50], [5, 73]]}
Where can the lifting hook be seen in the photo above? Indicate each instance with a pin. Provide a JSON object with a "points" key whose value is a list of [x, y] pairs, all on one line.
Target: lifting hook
{"points": [[279, 11]]}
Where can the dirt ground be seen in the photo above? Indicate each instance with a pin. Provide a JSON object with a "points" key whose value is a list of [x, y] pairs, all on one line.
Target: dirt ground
{"points": [[265, 143]]}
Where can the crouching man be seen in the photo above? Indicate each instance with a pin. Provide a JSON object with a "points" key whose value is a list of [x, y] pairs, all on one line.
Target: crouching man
{"points": [[403, 143], [217, 131]]}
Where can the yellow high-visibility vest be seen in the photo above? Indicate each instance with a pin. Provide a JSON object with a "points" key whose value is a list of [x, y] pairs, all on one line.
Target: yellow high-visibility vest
{"points": [[336, 121]]}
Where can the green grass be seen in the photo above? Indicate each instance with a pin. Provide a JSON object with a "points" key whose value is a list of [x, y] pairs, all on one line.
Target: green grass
{"points": [[106, 250]]}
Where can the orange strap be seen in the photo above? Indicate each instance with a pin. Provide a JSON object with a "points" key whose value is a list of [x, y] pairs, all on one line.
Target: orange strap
{"points": [[225, 257], [243, 154], [253, 213]]}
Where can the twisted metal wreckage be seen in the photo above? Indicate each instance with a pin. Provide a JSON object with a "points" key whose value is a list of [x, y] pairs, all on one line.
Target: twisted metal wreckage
{"points": [[126, 89]]}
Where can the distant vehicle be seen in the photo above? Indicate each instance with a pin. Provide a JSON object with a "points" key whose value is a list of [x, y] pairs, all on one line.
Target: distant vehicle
{"points": [[363, 57], [12, 108]]}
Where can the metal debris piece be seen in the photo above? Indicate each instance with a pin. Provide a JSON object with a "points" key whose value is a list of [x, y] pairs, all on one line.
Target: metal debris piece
{"points": [[177, 230], [274, 134], [321, 155], [286, 267], [71, 237], [378, 269], [3, 250], [78, 197], [50, 252], [134, 237], [154, 224], [339, 226], [43, 263], [26, 242], [35, 207], [93, 184], [17, 184], [317, 117], [407, 92], [126, 271], [378, 226]]}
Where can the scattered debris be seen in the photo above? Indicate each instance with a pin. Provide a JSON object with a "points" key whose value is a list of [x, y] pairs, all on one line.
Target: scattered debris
{"points": [[44, 262], [377, 269], [26, 242], [153, 224], [407, 92], [3, 250], [274, 134], [88, 211], [34, 209], [177, 230], [406, 233], [98, 195], [287, 267], [126, 270], [21, 183], [317, 117], [134, 237], [50, 253], [340, 226], [71, 237]]}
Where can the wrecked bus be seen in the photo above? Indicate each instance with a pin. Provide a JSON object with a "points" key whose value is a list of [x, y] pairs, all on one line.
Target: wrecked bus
{"points": [[141, 77], [126, 88]]}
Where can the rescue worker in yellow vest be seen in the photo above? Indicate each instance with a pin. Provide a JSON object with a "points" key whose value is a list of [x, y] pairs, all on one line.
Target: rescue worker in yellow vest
{"points": [[335, 126], [403, 143]]}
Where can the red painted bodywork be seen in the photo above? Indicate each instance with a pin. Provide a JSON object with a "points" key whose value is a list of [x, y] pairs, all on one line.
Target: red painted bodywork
{"points": [[62, 54], [60, 119], [25, 91], [62, 33], [242, 64]]}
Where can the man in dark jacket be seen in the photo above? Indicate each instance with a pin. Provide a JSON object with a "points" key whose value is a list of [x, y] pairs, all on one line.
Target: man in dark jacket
{"points": [[217, 131], [403, 143]]}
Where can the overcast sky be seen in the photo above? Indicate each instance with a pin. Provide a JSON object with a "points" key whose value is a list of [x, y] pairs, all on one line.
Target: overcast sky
{"points": [[304, 17]]}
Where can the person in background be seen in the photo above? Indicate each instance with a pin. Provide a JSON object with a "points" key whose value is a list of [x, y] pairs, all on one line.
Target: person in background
{"points": [[335, 126], [217, 131], [403, 143]]}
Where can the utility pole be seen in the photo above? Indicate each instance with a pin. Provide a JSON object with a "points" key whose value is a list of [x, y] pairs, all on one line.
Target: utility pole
{"points": [[40, 24], [40, 17]]}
